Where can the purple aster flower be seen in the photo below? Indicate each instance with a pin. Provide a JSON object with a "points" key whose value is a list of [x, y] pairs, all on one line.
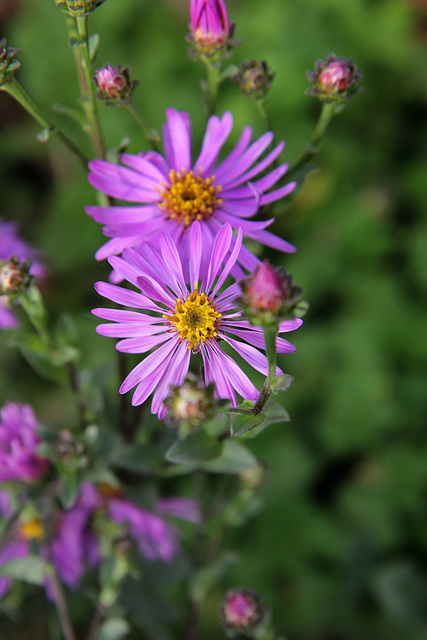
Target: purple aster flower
{"points": [[18, 444], [12, 245], [183, 319], [173, 192]]}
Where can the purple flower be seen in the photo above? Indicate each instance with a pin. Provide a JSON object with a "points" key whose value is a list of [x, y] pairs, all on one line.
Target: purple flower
{"points": [[12, 245], [210, 28], [156, 539], [74, 545], [175, 192], [18, 444], [182, 319]]}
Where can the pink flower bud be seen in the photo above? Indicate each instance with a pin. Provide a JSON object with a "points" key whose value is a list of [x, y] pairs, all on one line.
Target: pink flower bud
{"points": [[266, 290], [209, 22], [114, 85], [241, 611], [335, 79]]}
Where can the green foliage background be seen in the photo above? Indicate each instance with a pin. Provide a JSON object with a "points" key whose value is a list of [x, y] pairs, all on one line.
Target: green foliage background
{"points": [[340, 549]]}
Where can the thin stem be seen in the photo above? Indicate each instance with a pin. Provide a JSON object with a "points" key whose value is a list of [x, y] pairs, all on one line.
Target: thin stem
{"points": [[213, 80], [151, 135], [78, 30], [61, 606], [96, 621], [14, 89], [327, 113]]}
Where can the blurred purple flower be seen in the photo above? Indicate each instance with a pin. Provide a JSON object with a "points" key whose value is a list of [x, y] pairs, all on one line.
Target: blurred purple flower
{"points": [[73, 545], [18, 444], [156, 539], [175, 192], [12, 245], [182, 319]]}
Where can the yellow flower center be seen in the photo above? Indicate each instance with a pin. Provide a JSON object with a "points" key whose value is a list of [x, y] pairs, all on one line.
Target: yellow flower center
{"points": [[189, 197], [32, 529], [195, 319]]}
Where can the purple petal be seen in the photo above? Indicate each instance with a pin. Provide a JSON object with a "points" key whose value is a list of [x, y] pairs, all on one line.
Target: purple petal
{"points": [[148, 365], [177, 140], [217, 132]]}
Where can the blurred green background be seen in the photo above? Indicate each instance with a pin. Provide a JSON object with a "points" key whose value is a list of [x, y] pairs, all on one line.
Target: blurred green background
{"points": [[340, 549]]}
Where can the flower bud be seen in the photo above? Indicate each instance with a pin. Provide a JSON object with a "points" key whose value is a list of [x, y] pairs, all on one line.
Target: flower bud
{"points": [[242, 612], [210, 29], [77, 8], [335, 80], [269, 293], [7, 65], [114, 84], [254, 78], [14, 277]]}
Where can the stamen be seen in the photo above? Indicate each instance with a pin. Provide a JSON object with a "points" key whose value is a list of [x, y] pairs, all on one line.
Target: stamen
{"points": [[195, 319], [32, 530], [189, 197]]}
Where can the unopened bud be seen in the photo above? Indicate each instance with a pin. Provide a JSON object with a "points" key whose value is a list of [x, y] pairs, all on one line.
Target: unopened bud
{"points": [[335, 79], [269, 292], [255, 477], [7, 64], [14, 277], [114, 84], [254, 78], [78, 8], [242, 612], [211, 32]]}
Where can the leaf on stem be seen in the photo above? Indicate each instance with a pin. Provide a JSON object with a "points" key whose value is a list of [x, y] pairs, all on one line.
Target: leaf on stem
{"points": [[196, 448]]}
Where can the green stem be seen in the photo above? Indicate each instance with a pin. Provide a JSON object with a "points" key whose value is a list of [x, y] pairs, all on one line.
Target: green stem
{"points": [[150, 134], [14, 89], [270, 335], [78, 30], [213, 81], [327, 113]]}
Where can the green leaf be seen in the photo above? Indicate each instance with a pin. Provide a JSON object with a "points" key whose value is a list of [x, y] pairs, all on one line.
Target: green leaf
{"points": [[93, 46], [137, 458], [113, 629], [205, 579], [274, 413], [196, 448], [32, 569], [283, 382], [39, 357], [69, 490], [235, 458], [243, 422]]}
